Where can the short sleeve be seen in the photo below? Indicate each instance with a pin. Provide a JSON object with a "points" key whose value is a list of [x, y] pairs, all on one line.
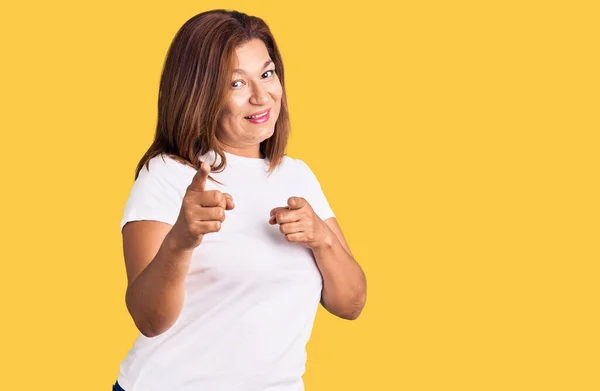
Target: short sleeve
{"points": [[314, 193], [156, 194]]}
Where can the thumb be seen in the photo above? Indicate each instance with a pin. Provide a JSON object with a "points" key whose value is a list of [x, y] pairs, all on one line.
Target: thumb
{"points": [[296, 202], [199, 180]]}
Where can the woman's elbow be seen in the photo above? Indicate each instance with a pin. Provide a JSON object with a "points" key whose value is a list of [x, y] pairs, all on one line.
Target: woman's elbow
{"points": [[352, 311], [148, 330], [355, 312], [142, 322]]}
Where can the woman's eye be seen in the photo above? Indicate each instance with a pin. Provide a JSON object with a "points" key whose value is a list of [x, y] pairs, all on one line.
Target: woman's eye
{"points": [[240, 83], [268, 73]]}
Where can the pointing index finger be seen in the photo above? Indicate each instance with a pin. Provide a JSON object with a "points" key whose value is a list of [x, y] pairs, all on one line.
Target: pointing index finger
{"points": [[296, 202], [199, 180]]}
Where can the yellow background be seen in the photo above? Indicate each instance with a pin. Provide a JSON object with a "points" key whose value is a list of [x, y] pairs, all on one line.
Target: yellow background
{"points": [[456, 141]]}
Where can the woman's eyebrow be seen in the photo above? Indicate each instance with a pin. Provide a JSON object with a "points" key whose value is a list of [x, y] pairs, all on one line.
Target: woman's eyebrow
{"points": [[237, 70]]}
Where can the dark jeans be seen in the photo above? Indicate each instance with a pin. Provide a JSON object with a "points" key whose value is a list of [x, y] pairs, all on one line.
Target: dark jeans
{"points": [[117, 387]]}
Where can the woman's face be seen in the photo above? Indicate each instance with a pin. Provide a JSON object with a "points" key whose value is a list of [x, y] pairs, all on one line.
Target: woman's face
{"points": [[253, 103]]}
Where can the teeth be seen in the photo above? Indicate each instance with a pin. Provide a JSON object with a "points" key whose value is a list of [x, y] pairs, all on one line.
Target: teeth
{"points": [[257, 116]]}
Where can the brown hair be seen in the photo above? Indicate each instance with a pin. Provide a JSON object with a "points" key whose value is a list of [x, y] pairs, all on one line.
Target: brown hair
{"points": [[194, 85]]}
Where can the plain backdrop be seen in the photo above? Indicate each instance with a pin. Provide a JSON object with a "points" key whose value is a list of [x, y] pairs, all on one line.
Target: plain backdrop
{"points": [[457, 143]]}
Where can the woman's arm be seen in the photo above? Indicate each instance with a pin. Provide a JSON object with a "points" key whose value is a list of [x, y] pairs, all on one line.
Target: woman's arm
{"points": [[158, 255], [156, 271], [344, 283]]}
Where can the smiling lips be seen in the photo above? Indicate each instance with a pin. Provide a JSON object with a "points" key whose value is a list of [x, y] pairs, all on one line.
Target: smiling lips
{"points": [[260, 117]]}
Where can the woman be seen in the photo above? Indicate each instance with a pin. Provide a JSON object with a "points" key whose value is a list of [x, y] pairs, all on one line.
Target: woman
{"points": [[229, 245]]}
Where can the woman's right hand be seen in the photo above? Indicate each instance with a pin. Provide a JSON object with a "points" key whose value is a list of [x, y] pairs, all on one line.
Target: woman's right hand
{"points": [[202, 211]]}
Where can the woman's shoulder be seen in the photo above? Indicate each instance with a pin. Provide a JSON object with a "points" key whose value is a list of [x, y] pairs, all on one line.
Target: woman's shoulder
{"points": [[297, 168], [295, 163], [164, 162], [167, 170]]}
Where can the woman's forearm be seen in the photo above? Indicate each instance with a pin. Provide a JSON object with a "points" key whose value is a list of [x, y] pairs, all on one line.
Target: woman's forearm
{"points": [[155, 298], [344, 283]]}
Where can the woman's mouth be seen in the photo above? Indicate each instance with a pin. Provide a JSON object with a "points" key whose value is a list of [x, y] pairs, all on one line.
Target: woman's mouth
{"points": [[260, 117]]}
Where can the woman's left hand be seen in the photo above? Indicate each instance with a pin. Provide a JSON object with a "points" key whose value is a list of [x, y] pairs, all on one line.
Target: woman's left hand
{"points": [[299, 223]]}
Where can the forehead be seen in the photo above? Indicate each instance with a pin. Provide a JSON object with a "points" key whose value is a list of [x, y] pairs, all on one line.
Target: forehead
{"points": [[251, 56]]}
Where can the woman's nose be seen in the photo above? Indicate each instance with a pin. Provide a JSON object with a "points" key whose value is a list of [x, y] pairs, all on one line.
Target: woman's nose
{"points": [[259, 95]]}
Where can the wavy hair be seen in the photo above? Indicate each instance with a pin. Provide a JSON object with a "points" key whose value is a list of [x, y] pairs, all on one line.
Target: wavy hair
{"points": [[194, 86]]}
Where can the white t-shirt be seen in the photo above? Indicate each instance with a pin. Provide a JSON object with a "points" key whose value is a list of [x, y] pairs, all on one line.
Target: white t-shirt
{"points": [[250, 296]]}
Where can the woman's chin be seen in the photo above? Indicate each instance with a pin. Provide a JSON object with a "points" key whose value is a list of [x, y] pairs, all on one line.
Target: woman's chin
{"points": [[266, 133]]}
